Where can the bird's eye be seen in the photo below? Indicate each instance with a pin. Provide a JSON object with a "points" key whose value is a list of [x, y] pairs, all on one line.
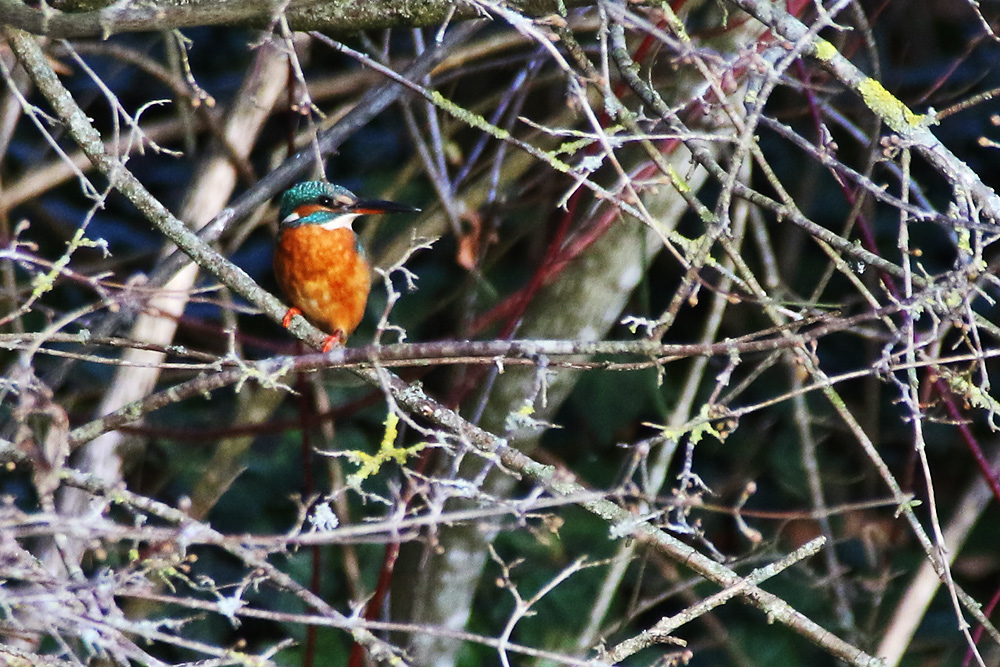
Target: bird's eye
{"points": [[325, 201]]}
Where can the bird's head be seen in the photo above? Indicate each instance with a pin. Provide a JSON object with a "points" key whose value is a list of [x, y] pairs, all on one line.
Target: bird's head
{"points": [[328, 205]]}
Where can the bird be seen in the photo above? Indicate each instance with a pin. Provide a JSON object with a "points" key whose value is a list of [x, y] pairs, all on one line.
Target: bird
{"points": [[319, 262]]}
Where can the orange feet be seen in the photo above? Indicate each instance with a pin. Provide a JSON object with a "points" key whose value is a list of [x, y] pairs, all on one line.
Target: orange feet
{"points": [[338, 338], [286, 321]]}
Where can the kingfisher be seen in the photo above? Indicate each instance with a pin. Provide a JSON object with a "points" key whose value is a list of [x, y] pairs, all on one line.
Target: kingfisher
{"points": [[318, 259]]}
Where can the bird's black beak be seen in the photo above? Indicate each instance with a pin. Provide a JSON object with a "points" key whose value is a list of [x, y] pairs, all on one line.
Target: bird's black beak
{"points": [[374, 206]]}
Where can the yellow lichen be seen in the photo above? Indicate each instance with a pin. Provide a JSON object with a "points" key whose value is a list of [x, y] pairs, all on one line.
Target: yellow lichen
{"points": [[824, 50], [696, 428], [675, 179], [896, 114], [369, 464]]}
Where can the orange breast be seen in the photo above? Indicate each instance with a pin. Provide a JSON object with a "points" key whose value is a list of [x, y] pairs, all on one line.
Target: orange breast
{"points": [[323, 275]]}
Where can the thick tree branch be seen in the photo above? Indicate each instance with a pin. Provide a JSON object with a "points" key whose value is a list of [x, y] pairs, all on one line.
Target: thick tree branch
{"points": [[335, 16]]}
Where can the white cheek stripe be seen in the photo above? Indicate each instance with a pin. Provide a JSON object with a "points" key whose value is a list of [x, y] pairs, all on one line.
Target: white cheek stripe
{"points": [[340, 222]]}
